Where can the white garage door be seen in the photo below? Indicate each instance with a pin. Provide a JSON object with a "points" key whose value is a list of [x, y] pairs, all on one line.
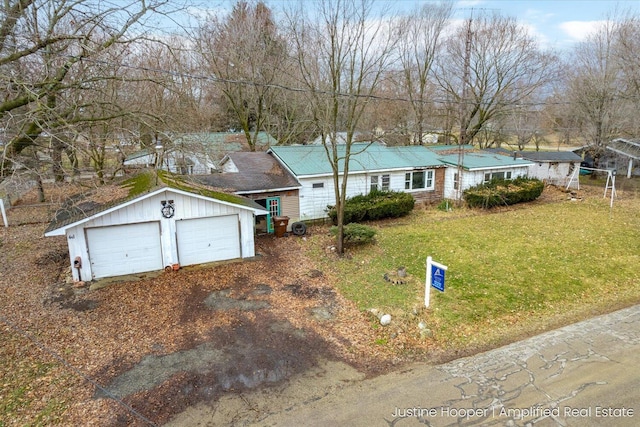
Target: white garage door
{"points": [[208, 239], [124, 249]]}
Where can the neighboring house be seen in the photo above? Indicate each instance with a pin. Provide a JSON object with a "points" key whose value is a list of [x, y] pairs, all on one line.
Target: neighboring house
{"points": [[626, 152], [474, 167], [552, 167], [153, 222], [412, 169], [170, 159], [195, 153], [259, 177], [341, 138]]}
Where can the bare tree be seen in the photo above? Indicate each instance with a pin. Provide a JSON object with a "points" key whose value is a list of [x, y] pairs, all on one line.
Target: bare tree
{"points": [[491, 65], [594, 89], [343, 50], [49, 49], [627, 53], [419, 38], [245, 54]]}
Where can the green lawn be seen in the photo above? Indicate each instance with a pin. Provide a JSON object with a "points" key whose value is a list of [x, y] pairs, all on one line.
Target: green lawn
{"points": [[510, 274]]}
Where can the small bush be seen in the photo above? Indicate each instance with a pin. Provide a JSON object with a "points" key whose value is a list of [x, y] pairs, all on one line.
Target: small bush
{"points": [[375, 205], [446, 205], [356, 233], [504, 192]]}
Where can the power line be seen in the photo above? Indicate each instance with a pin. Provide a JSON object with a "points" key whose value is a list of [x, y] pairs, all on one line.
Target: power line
{"points": [[223, 80]]}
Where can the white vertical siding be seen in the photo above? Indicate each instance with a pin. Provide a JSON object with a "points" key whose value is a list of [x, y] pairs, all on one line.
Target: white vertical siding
{"points": [[473, 178], [149, 209], [557, 173]]}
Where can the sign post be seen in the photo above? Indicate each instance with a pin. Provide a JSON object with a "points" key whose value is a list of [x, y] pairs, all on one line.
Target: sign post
{"points": [[435, 278]]}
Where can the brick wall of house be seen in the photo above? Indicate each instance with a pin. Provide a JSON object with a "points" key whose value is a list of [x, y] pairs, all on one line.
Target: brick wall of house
{"points": [[435, 195]]}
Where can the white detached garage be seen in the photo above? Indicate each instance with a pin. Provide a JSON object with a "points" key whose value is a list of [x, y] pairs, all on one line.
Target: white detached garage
{"points": [[156, 230]]}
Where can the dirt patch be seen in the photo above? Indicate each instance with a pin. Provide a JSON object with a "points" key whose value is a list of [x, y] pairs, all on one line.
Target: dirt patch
{"points": [[248, 354], [219, 300]]}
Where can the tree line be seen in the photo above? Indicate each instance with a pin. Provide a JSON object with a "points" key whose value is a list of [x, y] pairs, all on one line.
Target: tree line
{"points": [[82, 77]]}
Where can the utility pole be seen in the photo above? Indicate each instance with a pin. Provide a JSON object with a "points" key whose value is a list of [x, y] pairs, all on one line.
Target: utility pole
{"points": [[462, 140]]}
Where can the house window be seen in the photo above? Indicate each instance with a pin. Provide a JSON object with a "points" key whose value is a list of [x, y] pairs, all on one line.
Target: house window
{"points": [[496, 175], [379, 182], [385, 182], [455, 181], [419, 180], [318, 185]]}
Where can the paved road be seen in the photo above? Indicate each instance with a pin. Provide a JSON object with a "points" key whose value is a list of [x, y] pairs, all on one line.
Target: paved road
{"points": [[586, 374]]}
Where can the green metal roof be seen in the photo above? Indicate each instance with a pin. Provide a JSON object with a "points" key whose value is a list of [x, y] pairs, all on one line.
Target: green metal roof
{"points": [[305, 160], [478, 160]]}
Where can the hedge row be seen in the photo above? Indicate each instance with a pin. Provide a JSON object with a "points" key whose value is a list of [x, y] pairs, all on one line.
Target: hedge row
{"points": [[375, 205], [504, 192]]}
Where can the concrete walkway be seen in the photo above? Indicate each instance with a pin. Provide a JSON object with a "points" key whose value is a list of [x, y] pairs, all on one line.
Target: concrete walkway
{"points": [[586, 374]]}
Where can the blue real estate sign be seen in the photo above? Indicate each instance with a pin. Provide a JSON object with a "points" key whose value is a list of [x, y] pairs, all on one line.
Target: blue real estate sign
{"points": [[437, 277]]}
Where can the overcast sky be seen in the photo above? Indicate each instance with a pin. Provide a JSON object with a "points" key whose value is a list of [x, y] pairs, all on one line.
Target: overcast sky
{"points": [[556, 23]]}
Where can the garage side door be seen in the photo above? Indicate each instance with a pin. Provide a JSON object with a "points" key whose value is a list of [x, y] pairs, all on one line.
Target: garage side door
{"points": [[208, 239], [124, 249]]}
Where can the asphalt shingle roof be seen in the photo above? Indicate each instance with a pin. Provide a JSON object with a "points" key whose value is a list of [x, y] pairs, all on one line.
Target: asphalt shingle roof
{"points": [[256, 172], [550, 156]]}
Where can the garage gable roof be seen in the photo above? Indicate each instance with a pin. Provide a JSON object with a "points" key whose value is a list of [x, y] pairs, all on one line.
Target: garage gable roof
{"points": [[103, 200]]}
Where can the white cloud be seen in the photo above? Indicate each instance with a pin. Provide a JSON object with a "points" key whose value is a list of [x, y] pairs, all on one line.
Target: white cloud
{"points": [[580, 30], [468, 3]]}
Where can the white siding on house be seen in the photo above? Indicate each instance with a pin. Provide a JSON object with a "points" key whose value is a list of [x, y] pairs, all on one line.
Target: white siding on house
{"points": [[314, 201], [557, 173], [473, 178]]}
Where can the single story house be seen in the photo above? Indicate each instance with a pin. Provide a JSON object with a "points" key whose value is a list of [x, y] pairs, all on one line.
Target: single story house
{"points": [[258, 176], [468, 167], [153, 221], [552, 167], [412, 169], [194, 153], [171, 159]]}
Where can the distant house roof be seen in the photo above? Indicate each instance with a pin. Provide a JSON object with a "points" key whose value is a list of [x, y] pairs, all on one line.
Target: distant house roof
{"points": [[549, 156], [305, 160], [255, 172], [540, 156], [148, 151], [225, 142], [83, 207], [208, 142], [341, 138], [626, 147]]}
